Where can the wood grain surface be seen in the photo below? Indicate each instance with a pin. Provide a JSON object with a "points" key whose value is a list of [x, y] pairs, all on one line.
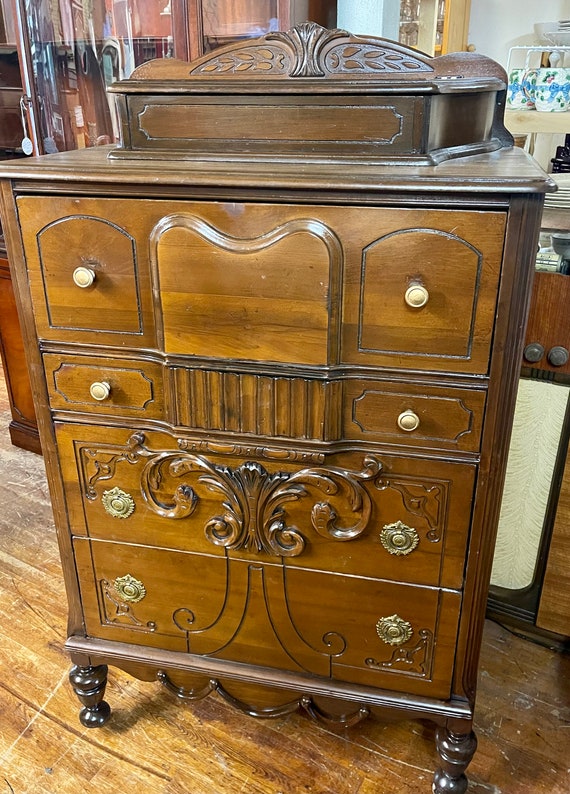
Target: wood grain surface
{"points": [[155, 743]]}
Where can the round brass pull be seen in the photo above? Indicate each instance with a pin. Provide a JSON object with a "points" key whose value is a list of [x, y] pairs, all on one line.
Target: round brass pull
{"points": [[100, 390], [129, 588], [408, 421], [394, 630], [399, 539], [83, 277], [118, 503], [416, 296]]}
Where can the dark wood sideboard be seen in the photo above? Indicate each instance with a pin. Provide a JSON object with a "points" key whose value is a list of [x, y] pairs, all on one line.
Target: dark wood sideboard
{"points": [[275, 339], [23, 427]]}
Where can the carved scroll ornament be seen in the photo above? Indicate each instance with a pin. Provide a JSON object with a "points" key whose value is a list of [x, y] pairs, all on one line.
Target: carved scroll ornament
{"points": [[253, 516]]}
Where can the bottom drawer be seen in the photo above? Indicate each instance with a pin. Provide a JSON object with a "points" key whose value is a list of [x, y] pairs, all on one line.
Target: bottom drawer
{"points": [[350, 628]]}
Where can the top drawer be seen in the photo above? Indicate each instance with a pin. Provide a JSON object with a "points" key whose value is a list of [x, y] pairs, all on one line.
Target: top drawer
{"points": [[310, 285]]}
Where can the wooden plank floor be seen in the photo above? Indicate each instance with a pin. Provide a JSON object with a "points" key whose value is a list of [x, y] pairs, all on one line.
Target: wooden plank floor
{"points": [[156, 745]]}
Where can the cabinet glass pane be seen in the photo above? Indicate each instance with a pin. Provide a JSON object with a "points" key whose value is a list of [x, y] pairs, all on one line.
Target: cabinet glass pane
{"points": [[7, 27], [76, 50], [224, 22], [422, 24]]}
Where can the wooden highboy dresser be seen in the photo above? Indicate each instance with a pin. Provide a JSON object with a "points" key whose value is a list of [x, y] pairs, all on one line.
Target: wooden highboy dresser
{"points": [[274, 340]]}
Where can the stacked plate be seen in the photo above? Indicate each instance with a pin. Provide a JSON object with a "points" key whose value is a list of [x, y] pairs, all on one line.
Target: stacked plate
{"points": [[560, 199], [557, 33]]}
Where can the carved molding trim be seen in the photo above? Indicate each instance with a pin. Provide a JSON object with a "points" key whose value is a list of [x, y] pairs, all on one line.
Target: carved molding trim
{"points": [[305, 702], [251, 451]]}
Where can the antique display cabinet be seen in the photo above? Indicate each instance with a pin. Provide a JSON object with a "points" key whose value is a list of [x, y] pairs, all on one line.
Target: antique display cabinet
{"points": [[274, 338]]}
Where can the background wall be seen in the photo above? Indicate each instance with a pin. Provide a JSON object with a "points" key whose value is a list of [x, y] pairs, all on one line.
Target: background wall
{"points": [[497, 25]]}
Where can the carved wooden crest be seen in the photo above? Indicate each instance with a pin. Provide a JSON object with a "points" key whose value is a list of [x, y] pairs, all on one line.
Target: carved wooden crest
{"points": [[311, 51]]}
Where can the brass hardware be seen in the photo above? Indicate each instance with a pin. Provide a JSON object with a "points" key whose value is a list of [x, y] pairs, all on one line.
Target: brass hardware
{"points": [[83, 277], [394, 630], [416, 296], [129, 588], [100, 390], [409, 421], [117, 503], [399, 539]]}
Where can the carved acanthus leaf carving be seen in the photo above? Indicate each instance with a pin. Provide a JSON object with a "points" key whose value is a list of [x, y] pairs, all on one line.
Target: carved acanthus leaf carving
{"points": [[307, 41], [254, 516], [309, 50]]}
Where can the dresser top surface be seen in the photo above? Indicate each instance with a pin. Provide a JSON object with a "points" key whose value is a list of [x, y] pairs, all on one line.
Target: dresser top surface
{"points": [[508, 170]]}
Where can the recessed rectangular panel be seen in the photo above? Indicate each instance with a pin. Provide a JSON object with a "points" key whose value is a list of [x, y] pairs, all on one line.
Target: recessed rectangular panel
{"points": [[264, 297], [367, 125], [421, 291]]}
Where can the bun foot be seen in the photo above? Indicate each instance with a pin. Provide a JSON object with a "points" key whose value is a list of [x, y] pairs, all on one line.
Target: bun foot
{"points": [[89, 685], [455, 751]]}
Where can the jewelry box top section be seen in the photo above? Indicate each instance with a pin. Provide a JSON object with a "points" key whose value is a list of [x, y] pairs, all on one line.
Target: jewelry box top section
{"points": [[313, 94]]}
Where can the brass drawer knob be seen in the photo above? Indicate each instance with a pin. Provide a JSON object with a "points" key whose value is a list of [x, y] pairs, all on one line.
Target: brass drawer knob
{"points": [[394, 630], [129, 588], [399, 539], [118, 503], [408, 421], [416, 296], [83, 277], [100, 390]]}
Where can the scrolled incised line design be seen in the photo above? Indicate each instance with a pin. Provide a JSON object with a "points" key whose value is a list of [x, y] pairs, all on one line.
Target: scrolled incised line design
{"points": [[415, 660], [117, 611], [427, 500], [99, 464]]}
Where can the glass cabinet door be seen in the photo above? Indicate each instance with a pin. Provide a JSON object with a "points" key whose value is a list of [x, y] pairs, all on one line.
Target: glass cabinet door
{"points": [[11, 132], [435, 26], [219, 22], [71, 51]]}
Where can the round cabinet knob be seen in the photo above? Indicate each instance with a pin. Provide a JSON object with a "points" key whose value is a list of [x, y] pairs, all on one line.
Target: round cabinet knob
{"points": [[408, 421], [416, 296], [533, 352], [557, 356], [83, 277], [100, 390]]}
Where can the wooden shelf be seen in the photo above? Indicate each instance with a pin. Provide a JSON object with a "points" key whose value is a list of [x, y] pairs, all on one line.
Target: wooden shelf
{"points": [[519, 122]]}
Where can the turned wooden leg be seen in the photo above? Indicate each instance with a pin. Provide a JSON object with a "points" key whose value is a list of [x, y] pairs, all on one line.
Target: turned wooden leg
{"points": [[455, 752], [89, 685]]}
